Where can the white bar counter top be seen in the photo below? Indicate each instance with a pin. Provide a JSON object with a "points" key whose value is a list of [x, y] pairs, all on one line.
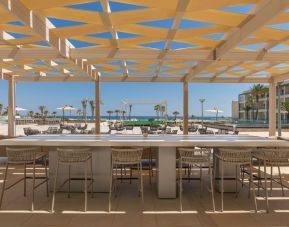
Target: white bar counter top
{"points": [[139, 140]]}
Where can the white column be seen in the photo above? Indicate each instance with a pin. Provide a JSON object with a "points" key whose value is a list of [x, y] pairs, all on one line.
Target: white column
{"points": [[11, 108], [97, 107], [166, 176], [185, 108], [272, 109]]}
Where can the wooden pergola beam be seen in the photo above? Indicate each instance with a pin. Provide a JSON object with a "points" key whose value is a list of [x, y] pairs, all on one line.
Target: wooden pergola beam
{"points": [[37, 24], [28, 53], [65, 78], [267, 10], [46, 53]]}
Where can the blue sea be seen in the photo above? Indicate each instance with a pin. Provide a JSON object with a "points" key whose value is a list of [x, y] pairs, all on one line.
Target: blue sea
{"points": [[143, 118]]}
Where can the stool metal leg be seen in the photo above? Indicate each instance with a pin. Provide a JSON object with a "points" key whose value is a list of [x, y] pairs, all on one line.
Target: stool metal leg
{"points": [[254, 193], [242, 174], [214, 170], [222, 185], [69, 177], [46, 176], [180, 184], [250, 181], [33, 189], [259, 176], [266, 191], [236, 182], [138, 172], [280, 179], [141, 186], [85, 186], [150, 165], [110, 188], [271, 180], [201, 181], [4, 184], [212, 186], [91, 175], [25, 177], [54, 187]]}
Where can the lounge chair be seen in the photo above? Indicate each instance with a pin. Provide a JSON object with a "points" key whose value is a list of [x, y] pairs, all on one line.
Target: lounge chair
{"points": [[29, 131], [193, 129], [52, 130], [202, 130], [173, 132], [154, 128], [163, 128]]}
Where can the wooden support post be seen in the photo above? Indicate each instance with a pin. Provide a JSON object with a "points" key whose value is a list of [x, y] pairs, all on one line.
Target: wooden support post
{"points": [[272, 109], [97, 107], [185, 107], [11, 108]]}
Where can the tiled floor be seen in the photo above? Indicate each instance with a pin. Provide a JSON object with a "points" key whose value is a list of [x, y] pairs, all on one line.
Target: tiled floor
{"points": [[127, 209]]}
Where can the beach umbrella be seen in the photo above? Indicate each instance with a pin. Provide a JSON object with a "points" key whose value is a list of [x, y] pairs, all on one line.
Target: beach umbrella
{"points": [[66, 107], [19, 109], [215, 110]]}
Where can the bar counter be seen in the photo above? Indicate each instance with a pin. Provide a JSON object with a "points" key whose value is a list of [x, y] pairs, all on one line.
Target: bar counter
{"points": [[166, 157]]}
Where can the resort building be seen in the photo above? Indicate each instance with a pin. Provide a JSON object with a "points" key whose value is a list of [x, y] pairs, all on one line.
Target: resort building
{"points": [[249, 113]]}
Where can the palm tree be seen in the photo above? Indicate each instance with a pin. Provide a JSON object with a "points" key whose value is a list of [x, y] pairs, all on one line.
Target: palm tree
{"points": [[123, 112], [129, 114], [247, 108], [92, 107], [285, 107], [117, 113], [1, 108], [157, 109], [42, 109], [46, 112], [30, 113], [162, 110], [70, 110], [84, 105], [37, 115], [109, 112], [176, 113], [79, 112], [54, 114], [257, 91]]}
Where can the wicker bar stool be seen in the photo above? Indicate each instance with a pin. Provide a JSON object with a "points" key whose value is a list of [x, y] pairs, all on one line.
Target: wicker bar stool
{"points": [[238, 157], [128, 157], [25, 156], [70, 156], [273, 158], [195, 157]]}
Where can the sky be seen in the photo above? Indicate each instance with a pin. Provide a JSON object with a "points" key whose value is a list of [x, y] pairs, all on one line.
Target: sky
{"points": [[54, 95]]}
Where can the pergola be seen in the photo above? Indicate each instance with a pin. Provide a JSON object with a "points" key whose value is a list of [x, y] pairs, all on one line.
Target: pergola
{"points": [[183, 41]]}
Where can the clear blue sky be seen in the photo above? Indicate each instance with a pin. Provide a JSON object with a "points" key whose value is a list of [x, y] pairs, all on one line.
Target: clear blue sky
{"points": [[53, 95]]}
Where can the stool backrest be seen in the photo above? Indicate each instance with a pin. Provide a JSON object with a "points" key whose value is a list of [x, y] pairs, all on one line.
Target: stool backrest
{"points": [[21, 154], [72, 154], [277, 156], [194, 155], [241, 156], [126, 155]]}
